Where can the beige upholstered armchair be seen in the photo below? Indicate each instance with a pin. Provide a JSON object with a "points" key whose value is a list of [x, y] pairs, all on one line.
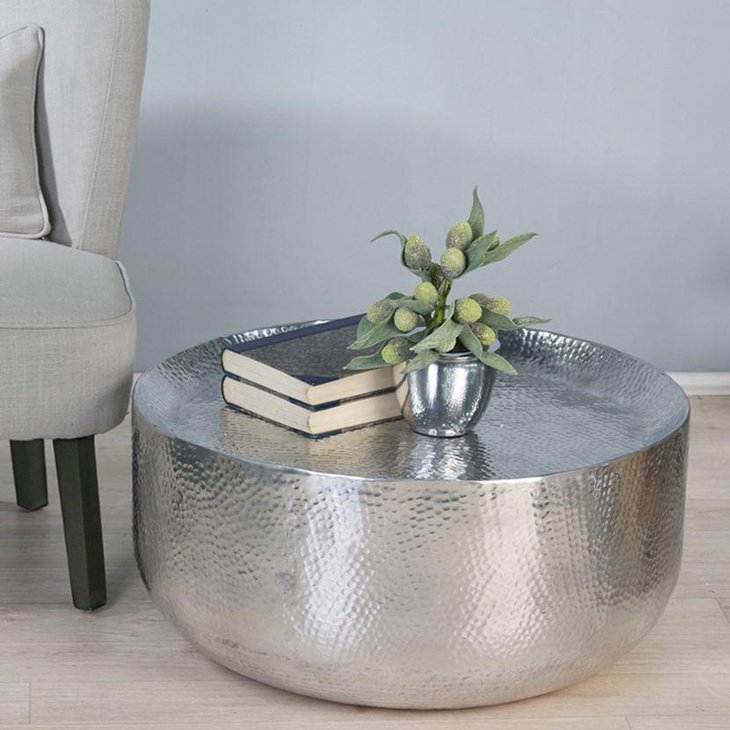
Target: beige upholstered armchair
{"points": [[67, 318]]}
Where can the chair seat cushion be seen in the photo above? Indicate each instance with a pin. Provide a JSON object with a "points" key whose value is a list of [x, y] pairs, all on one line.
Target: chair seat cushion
{"points": [[45, 284], [67, 341]]}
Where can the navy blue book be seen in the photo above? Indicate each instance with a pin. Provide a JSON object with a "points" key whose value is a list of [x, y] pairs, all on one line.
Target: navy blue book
{"points": [[306, 365]]}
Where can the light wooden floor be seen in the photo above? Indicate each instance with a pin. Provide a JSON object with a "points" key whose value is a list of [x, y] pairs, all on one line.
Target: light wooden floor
{"points": [[124, 666]]}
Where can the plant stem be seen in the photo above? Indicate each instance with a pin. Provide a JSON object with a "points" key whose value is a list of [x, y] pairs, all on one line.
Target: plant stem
{"points": [[440, 315]]}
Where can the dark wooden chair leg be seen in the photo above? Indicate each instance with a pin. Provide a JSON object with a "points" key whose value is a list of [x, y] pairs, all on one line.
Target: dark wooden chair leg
{"points": [[79, 491], [29, 472]]}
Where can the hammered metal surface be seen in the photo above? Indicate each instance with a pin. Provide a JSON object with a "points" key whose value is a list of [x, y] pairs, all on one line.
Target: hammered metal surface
{"points": [[384, 568], [448, 397]]}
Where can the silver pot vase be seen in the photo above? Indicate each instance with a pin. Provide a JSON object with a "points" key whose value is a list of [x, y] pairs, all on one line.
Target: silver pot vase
{"points": [[448, 397]]}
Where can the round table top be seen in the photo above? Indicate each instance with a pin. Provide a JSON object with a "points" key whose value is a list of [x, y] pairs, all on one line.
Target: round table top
{"points": [[573, 404]]}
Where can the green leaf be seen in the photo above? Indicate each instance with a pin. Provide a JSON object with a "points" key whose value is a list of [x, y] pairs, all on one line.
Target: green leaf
{"points": [[492, 359], [395, 295], [507, 248], [498, 321], [402, 237], [375, 335], [476, 217], [446, 332], [503, 322], [420, 361], [525, 321], [497, 362], [415, 305], [478, 250], [471, 342], [366, 362], [363, 327]]}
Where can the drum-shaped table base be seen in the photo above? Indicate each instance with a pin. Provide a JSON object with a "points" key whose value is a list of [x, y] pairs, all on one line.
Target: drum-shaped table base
{"points": [[383, 568]]}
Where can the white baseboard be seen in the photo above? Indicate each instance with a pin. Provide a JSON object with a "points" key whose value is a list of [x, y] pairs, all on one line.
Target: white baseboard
{"points": [[704, 383]]}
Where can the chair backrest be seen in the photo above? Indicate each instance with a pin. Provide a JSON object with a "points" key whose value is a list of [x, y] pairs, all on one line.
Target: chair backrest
{"points": [[87, 109]]}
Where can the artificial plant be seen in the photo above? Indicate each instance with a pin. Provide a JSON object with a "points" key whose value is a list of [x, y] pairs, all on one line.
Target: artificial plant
{"points": [[417, 329]]}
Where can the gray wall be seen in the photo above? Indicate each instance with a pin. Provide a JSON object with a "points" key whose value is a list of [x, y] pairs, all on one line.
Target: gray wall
{"points": [[277, 137]]}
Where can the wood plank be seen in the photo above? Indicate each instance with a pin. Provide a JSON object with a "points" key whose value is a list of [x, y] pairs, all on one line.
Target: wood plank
{"points": [[634, 695], [705, 569], [126, 640], [218, 703], [14, 704], [707, 479], [724, 604], [692, 635], [49, 585], [129, 621], [602, 696], [707, 515], [410, 723], [110, 661], [689, 617], [685, 722]]}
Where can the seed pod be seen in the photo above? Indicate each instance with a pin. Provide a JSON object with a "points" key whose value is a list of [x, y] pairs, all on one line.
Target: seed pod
{"points": [[467, 310], [447, 346], [453, 262], [380, 311], [460, 235], [397, 350], [416, 254], [405, 319], [487, 336], [494, 244], [426, 292], [499, 305], [481, 299]]}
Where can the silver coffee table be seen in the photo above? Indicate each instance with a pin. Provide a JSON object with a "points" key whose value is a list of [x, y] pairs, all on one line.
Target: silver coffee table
{"points": [[380, 567]]}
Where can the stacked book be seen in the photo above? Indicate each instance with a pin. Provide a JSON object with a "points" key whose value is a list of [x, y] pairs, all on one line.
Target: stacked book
{"points": [[295, 379]]}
